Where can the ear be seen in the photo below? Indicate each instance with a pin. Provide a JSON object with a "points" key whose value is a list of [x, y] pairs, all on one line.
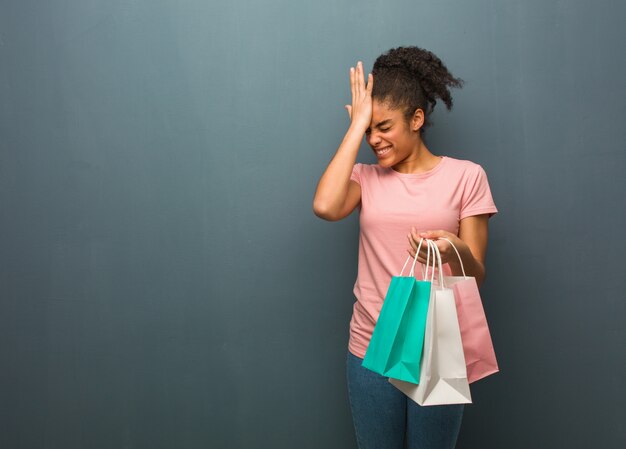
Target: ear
{"points": [[418, 120]]}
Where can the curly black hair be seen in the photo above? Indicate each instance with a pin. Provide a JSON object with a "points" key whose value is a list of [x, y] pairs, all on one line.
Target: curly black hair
{"points": [[412, 78]]}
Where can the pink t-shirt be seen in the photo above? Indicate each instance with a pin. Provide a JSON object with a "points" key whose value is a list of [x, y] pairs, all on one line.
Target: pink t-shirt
{"points": [[392, 203]]}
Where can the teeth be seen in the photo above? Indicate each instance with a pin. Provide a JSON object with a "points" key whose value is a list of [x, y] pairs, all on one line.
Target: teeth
{"points": [[383, 151]]}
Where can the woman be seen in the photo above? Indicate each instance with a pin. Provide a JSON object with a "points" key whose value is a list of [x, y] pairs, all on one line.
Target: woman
{"points": [[410, 194]]}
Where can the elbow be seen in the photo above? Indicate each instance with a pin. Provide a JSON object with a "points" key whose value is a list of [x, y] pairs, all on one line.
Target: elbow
{"points": [[323, 211], [480, 279]]}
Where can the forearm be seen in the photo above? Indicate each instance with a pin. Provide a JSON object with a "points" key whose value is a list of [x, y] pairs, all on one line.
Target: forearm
{"points": [[332, 188]]}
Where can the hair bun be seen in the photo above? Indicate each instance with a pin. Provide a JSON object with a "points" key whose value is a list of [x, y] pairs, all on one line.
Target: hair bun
{"points": [[413, 77]]}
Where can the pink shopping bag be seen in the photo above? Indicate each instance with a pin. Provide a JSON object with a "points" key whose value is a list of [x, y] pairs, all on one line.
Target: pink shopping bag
{"points": [[480, 356]]}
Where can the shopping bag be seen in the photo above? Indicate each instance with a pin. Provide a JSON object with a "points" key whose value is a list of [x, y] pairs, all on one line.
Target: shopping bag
{"points": [[395, 349], [480, 357], [443, 375]]}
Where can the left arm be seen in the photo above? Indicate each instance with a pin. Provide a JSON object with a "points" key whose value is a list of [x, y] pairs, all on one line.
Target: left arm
{"points": [[471, 243]]}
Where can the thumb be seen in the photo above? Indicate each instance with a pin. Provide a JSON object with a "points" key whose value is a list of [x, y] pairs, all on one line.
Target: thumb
{"points": [[432, 234], [349, 109]]}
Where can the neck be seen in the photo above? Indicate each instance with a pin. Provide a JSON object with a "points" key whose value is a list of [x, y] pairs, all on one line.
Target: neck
{"points": [[420, 160]]}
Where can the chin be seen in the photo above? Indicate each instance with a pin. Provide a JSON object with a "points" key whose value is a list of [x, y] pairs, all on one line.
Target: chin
{"points": [[385, 163]]}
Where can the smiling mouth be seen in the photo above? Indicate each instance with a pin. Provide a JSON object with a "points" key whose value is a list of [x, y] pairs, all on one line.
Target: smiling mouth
{"points": [[382, 151]]}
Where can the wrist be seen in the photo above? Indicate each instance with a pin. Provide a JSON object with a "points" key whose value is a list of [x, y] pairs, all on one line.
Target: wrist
{"points": [[455, 265], [358, 127], [453, 261]]}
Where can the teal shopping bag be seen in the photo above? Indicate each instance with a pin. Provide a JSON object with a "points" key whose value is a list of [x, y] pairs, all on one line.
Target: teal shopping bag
{"points": [[395, 349]]}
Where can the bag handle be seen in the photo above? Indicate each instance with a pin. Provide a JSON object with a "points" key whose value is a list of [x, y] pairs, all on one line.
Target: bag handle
{"points": [[436, 257], [457, 253], [411, 273], [438, 261], [427, 266]]}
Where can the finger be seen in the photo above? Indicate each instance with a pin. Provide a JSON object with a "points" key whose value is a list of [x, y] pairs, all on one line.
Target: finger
{"points": [[443, 246], [421, 260], [425, 251], [357, 83], [370, 84], [416, 238], [361, 78], [423, 255], [412, 242], [349, 109], [445, 249], [352, 82], [434, 234], [438, 248]]}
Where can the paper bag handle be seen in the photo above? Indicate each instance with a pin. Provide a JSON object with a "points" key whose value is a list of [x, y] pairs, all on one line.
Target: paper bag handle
{"points": [[457, 253], [438, 263]]}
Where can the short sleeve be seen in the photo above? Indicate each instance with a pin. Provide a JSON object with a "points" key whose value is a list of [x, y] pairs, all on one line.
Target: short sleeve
{"points": [[356, 173], [477, 197]]}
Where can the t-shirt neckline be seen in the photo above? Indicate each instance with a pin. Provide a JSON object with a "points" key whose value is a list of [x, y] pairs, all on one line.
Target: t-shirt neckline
{"points": [[425, 174]]}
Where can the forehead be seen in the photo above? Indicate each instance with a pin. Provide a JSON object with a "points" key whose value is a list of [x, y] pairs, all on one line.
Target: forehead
{"points": [[381, 111]]}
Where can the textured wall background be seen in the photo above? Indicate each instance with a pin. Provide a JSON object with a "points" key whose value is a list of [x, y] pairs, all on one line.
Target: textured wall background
{"points": [[163, 280]]}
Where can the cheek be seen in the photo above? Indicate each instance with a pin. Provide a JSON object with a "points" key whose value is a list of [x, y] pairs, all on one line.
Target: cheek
{"points": [[402, 139], [395, 137]]}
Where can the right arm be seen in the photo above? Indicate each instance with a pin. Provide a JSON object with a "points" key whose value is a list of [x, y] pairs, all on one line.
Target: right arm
{"points": [[336, 195]]}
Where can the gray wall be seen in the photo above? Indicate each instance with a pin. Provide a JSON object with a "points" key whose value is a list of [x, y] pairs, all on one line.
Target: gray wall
{"points": [[163, 280]]}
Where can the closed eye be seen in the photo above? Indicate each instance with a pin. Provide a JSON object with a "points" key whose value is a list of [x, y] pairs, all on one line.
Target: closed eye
{"points": [[383, 126]]}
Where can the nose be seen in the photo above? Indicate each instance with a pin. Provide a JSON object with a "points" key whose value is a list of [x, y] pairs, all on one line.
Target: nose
{"points": [[373, 139]]}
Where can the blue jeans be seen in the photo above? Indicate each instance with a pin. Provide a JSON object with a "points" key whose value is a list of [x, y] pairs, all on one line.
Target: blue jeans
{"points": [[384, 417]]}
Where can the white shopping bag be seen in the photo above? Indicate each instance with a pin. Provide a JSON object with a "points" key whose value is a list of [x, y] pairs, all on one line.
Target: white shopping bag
{"points": [[443, 377]]}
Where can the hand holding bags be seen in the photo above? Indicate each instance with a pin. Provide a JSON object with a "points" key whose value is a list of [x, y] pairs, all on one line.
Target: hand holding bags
{"points": [[480, 358], [443, 376], [395, 348]]}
